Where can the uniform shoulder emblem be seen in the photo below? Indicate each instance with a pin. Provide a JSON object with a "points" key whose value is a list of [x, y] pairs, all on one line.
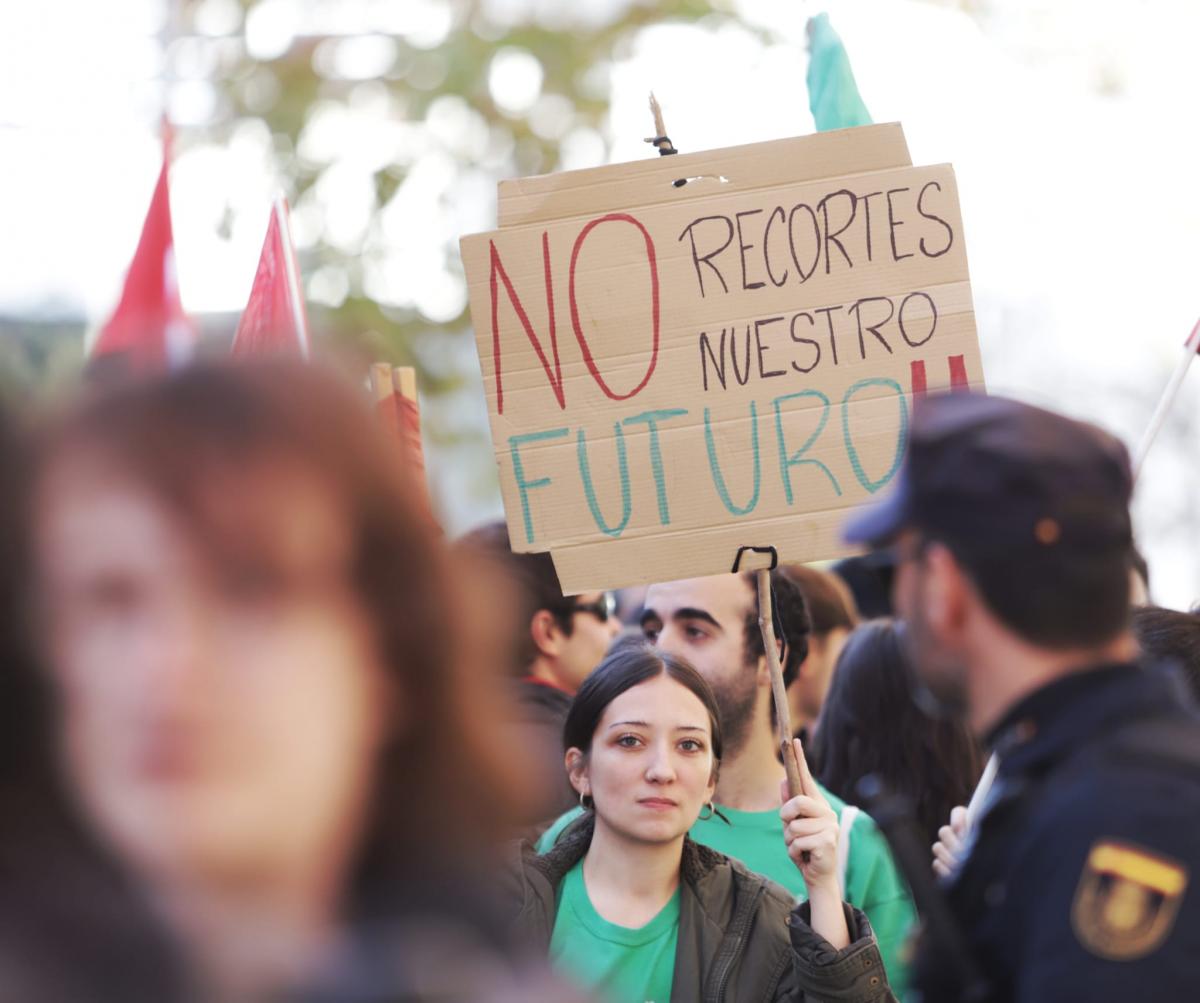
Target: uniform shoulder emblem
{"points": [[1127, 901]]}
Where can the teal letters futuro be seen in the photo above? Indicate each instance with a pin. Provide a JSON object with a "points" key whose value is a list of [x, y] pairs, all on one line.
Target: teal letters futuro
{"points": [[789, 460]]}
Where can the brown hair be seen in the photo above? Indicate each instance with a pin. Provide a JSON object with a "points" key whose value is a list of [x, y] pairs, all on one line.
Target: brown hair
{"points": [[830, 604], [536, 583], [200, 442]]}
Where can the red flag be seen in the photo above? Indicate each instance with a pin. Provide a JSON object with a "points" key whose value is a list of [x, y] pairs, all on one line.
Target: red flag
{"points": [[149, 332], [274, 320]]}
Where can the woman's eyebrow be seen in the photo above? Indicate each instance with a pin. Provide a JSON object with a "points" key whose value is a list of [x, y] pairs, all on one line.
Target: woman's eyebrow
{"points": [[646, 724]]}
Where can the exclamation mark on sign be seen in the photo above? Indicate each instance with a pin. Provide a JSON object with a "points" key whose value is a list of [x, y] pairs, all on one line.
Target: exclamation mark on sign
{"points": [[958, 376]]}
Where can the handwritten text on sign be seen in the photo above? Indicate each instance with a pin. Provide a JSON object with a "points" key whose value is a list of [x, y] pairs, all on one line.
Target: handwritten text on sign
{"points": [[715, 362]]}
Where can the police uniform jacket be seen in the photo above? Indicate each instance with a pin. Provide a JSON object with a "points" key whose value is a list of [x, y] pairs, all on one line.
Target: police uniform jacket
{"points": [[1083, 880]]}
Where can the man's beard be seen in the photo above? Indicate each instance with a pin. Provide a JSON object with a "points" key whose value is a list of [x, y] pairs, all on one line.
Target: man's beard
{"points": [[940, 681], [736, 700]]}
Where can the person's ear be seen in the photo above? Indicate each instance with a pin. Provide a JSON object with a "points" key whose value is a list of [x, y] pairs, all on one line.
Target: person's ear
{"points": [[577, 771], [546, 633], [763, 670], [947, 593], [764, 666]]}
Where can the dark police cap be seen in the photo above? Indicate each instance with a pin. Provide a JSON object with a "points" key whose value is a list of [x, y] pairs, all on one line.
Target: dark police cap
{"points": [[990, 475]]}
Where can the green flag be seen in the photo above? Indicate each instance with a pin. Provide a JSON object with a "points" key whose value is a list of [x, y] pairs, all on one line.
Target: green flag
{"points": [[832, 92]]}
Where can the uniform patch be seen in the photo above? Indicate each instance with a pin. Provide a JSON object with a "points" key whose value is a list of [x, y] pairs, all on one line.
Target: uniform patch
{"points": [[1127, 901]]}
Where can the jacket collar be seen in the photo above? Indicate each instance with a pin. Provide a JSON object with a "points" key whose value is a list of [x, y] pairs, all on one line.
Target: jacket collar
{"points": [[1066, 713]]}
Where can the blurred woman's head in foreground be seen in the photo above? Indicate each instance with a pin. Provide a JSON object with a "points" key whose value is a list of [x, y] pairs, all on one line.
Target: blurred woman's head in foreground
{"points": [[257, 649]]}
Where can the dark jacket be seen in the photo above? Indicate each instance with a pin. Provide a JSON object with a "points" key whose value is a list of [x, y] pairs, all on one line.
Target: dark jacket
{"points": [[542, 714], [740, 940]]}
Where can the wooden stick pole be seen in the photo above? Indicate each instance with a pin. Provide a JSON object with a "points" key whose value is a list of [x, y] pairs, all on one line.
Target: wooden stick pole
{"points": [[660, 140], [783, 716]]}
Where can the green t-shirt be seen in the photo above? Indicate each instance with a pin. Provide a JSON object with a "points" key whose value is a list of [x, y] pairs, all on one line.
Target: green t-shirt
{"points": [[872, 882], [626, 964]]}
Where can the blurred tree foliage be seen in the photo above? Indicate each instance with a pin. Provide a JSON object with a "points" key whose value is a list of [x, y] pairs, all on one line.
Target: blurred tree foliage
{"points": [[39, 356], [307, 86], [407, 87]]}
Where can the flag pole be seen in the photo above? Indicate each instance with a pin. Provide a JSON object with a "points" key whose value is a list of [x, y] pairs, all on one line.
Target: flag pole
{"points": [[1190, 349], [279, 207]]}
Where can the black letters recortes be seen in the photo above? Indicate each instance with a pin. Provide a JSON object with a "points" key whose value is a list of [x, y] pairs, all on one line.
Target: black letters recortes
{"points": [[699, 259], [832, 231]]}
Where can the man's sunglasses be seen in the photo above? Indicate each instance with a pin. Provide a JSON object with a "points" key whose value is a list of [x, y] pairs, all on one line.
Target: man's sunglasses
{"points": [[601, 609]]}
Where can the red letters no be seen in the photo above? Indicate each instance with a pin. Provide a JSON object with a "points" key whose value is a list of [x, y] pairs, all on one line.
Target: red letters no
{"points": [[498, 272], [588, 358]]}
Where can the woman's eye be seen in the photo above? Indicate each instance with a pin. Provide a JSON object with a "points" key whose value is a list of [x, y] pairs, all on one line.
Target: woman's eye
{"points": [[650, 634], [693, 633], [628, 741], [691, 745]]}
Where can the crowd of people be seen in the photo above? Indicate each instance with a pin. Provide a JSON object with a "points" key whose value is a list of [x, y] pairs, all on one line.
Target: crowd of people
{"points": [[267, 737]]}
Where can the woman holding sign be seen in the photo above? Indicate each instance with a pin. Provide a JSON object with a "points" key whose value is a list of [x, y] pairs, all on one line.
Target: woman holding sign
{"points": [[627, 904]]}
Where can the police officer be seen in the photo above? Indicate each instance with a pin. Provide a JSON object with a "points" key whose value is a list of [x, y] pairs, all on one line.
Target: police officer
{"points": [[1081, 881]]}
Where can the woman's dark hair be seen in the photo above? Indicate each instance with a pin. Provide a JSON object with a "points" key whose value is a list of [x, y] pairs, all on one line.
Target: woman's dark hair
{"points": [[203, 443], [629, 662], [1168, 636], [871, 723]]}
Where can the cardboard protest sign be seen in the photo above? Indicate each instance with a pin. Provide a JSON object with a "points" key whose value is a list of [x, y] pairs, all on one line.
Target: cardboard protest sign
{"points": [[677, 371]]}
